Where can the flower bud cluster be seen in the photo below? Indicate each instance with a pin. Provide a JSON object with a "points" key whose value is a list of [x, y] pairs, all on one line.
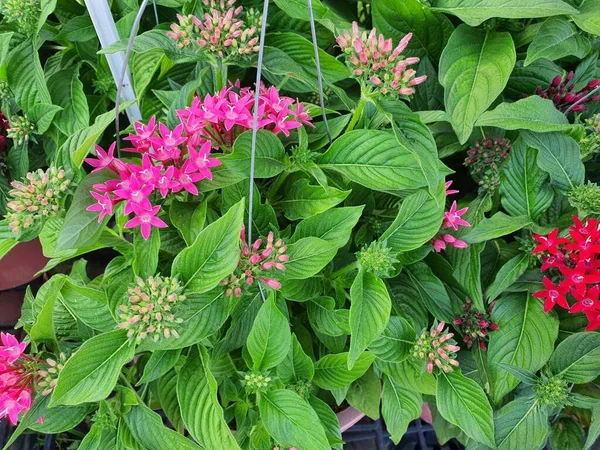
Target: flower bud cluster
{"points": [[5, 91], [485, 161], [150, 309], [21, 129], [256, 382], [24, 13], [475, 325], [377, 259], [590, 143], [255, 263], [376, 63], [226, 33], [437, 348], [561, 93], [552, 391], [585, 198], [48, 376], [39, 197]]}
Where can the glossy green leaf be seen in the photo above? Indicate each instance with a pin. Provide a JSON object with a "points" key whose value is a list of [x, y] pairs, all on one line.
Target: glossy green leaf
{"points": [[213, 255], [577, 358], [588, 18], [334, 225], [431, 291], [462, 402], [307, 257], [66, 91], [556, 39], [188, 218], [268, 157], [145, 254], [474, 69], [297, 365], [303, 200], [329, 421], [326, 319], [160, 362], [507, 275], [88, 305], [399, 408], [522, 423], [396, 341], [331, 371], [496, 226]]}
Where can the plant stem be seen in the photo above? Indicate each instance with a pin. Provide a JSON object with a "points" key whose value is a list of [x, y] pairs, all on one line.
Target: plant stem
{"points": [[219, 75], [357, 114], [344, 270]]}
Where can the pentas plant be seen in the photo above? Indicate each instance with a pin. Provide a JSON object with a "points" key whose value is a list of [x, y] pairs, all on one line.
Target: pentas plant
{"points": [[452, 220]]}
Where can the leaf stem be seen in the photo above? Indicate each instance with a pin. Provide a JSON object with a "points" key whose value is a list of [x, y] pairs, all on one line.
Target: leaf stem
{"points": [[344, 270], [357, 114]]}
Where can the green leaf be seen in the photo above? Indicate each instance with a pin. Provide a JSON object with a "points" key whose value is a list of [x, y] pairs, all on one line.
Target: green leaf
{"points": [[577, 358], [188, 218], [18, 161], [166, 393], [524, 376], [200, 409], [375, 160], [399, 408], [298, 10], [532, 113], [331, 371], [268, 157], [143, 68], [523, 188], [26, 76], [81, 227], [408, 376], [396, 342], [475, 12], [148, 430], [325, 319], [92, 439], [566, 434], [594, 430], [291, 421], [507, 275], [270, 339], [329, 421], [365, 393], [88, 305], [556, 39], [43, 328], [396, 18], [370, 307], [145, 254], [160, 363], [42, 115], [91, 373], [297, 365], [334, 225], [78, 29], [522, 423], [474, 69], [47, 7], [307, 257], [5, 39], [462, 402], [214, 254], [496, 226], [431, 291], [525, 339], [66, 91], [559, 156], [419, 219], [588, 18], [302, 200]]}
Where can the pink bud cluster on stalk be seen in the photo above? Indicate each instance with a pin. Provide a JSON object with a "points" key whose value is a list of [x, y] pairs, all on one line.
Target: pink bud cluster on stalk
{"points": [[437, 348], [375, 62], [561, 93], [255, 263], [225, 31], [452, 219]]}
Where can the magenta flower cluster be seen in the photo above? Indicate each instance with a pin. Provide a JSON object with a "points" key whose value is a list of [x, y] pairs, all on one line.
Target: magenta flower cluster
{"points": [[16, 378], [561, 92], [452, 219], [374, 60], [173, 160]]}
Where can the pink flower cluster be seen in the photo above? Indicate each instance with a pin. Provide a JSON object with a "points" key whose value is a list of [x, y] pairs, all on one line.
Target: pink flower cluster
{"points": [[220, 118], [373, 59], [224, 30], [16, 378], [452, 219], [255, 262]]}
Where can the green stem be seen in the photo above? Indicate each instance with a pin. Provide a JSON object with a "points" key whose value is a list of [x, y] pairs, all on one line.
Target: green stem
{"points": [[357, 114], [344, 270], [220, 75]]}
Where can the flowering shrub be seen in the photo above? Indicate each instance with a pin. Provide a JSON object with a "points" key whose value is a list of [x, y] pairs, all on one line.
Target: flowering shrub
{"points": [[209, 285]]}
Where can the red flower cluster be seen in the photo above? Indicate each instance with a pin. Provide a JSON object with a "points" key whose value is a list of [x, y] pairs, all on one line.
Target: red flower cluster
{"points": [[561, 93], [575, 267], [174, 160], [475, 325]]}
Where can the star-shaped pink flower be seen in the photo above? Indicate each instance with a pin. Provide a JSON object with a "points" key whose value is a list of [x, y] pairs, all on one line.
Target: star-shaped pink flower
{"points": [[145, 219]]}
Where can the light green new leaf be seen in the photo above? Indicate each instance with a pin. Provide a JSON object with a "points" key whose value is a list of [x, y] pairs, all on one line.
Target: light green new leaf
{"points": [[91, 373], [525, 339], [160, 362], [522, 423], [291, 421], [329, 421], [307, 257], [397, 18], [474, 69], [462, 402], [399, 407], [556, 39], [297, 365], [532, 113], [200, 409], [334, 225], [507, 275], [374, 159], [577, 358], [213, 255], [496, 226], [558, 155], [524, 190], [331, 371], [588, 18], [475, 12], [270, 339], [370, 307]]}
